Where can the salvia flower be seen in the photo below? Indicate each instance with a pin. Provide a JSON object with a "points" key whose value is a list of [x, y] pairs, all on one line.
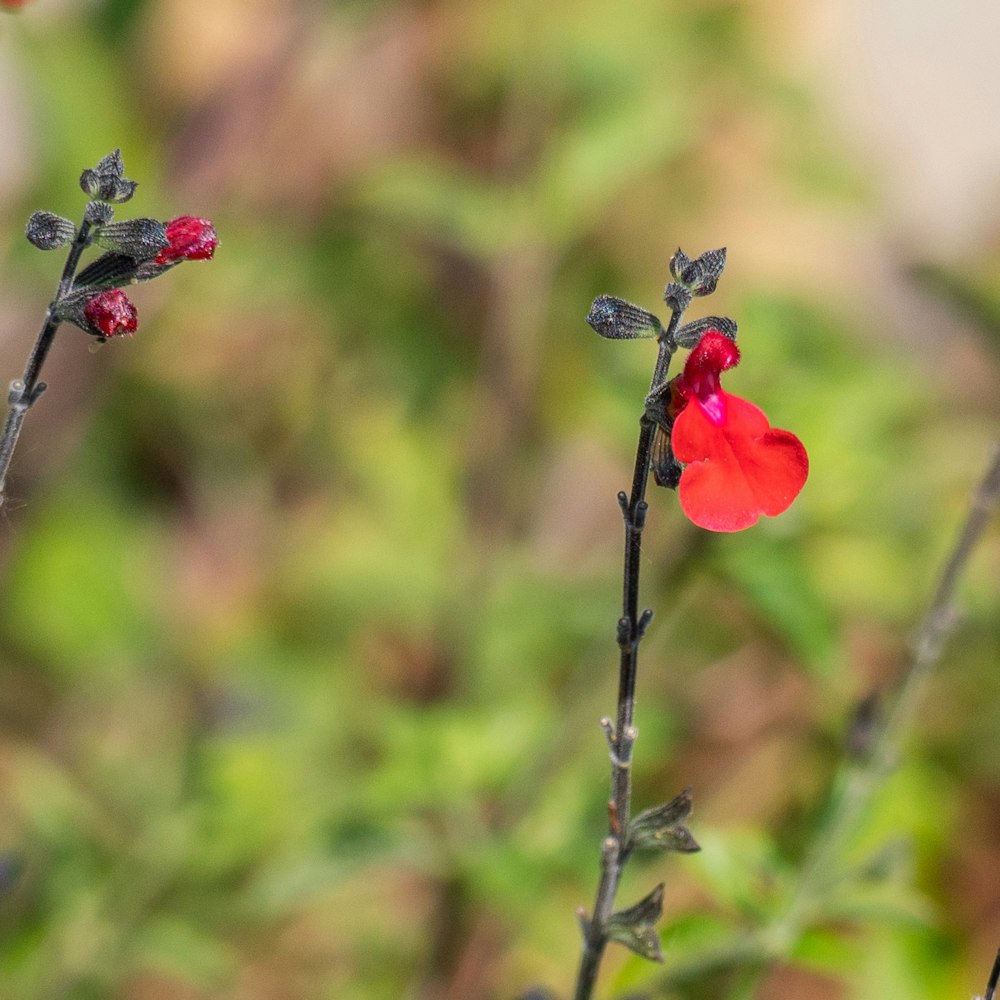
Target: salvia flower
{"points": [[189, 238], [110, 314], [736, 466]]}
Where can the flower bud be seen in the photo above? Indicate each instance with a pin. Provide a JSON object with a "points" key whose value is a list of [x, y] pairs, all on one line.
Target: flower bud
{"points": [[107, 314], [709, 267], [106, 182], [700, 275], [676, 296], [188, 238], [690, 333], [98, 213], [48, 231], [679, 264]]}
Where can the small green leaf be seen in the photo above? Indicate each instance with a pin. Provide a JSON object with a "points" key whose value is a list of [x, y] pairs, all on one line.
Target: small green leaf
{"points": [[634, 927], [662, 827]]}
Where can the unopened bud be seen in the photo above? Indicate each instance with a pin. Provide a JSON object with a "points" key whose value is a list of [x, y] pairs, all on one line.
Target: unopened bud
{"points": [[48, 231]]}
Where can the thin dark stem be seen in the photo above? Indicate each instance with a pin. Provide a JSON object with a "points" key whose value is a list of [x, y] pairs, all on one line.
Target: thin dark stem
{"points": [[24, 392], [991, 986], [621, 737]]}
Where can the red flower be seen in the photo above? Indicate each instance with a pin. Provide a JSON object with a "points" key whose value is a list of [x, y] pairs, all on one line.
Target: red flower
{"points": [[190, 239], [111, 314], [737, 466]]}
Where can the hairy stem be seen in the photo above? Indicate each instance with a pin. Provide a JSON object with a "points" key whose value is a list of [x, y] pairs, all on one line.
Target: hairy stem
{"points": [[24, 392], [621, 737]]}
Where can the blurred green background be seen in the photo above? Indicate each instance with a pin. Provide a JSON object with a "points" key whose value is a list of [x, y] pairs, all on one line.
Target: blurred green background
{"points": [[308, 592]]}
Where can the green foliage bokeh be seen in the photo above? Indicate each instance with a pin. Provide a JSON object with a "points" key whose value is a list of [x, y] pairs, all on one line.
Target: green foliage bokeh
{"points": [[309, 591]]}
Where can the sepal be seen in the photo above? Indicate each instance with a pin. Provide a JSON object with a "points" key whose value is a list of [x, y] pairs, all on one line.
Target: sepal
{"points": [[666, 469], [102, 314], [138, 238], [679, 265], [110, 270], [617, 319], [106, 182], [634, 927], [662, 827], [677, 296], [700, 275], [98, 213], [48, 231], [690, 333], [711, 264]]}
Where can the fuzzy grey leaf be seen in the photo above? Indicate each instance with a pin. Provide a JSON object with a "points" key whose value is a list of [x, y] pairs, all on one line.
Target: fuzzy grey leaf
{"points": [[617, 319]]}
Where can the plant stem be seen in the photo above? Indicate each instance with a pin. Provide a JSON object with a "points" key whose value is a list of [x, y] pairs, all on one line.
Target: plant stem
{"points": [[24, 392], [858, 781], [991, 986], [621, 737]]}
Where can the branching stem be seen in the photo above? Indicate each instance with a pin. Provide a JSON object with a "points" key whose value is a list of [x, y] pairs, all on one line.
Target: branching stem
{"points": [[24, 392], [622, 736]]}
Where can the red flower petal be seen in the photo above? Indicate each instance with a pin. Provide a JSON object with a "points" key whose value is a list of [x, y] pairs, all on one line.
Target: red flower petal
{"points": [[737, 469], [190, 239], [111, 314]]}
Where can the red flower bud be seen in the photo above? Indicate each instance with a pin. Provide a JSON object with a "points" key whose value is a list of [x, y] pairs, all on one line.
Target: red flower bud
{"points": [[190, 239], [111, 314]]}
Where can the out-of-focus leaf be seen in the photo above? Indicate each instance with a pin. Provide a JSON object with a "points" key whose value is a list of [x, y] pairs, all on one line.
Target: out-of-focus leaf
{"points": [[972, 295], [825, 950], [177, 948], [896, 965], [449, 205], [742, 869], [772, 574], [887, 903], [69, 605]]}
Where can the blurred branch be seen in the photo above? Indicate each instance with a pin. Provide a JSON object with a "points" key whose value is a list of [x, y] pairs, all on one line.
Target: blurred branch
{"points": [[962, 293], [991, 986], [859, 779]]}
